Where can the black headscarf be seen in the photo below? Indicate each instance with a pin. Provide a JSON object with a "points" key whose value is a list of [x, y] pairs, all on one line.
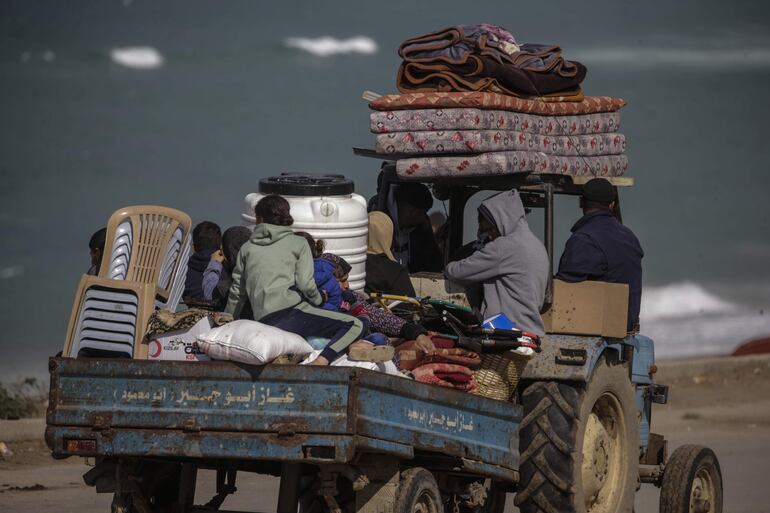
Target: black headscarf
{"points": [[232, 240]]}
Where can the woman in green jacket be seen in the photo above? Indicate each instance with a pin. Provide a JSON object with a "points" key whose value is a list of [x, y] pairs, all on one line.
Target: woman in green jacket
{"points": [[274, 272]]}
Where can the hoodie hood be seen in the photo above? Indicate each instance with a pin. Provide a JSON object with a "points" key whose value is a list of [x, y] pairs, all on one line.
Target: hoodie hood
{"points": [[200, 259], [266, 234], [505, 210]]}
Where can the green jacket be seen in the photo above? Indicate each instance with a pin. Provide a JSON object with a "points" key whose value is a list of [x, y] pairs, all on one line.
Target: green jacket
{"points": [[274, 271]]}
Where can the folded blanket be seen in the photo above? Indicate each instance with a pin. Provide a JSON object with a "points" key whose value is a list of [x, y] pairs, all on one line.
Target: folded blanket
{"points": [[494, 101], [476, 119], [483, 141], [446, 375], [166, 321], [423, 78], [509, 162], [408, 356], [484, 57]]}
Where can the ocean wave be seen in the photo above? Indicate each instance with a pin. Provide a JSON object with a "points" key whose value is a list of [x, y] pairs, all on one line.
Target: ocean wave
{"points": [[327, 46], [681, 300], [730, 58], [686, 320], [137, 57], [11, 272]]}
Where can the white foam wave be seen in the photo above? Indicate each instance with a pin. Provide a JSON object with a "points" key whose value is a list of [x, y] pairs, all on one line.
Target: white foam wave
{"points": [[681, 300], [327, 46], [137, 57], [686, 320], [11, 272], [686, 57]]}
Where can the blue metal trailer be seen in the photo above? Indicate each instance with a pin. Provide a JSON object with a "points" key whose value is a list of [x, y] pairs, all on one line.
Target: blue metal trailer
{"points": [[334, 427]]}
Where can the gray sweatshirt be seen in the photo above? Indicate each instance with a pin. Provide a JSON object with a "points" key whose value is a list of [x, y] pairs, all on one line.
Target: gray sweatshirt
{"points": [[513, 268]]}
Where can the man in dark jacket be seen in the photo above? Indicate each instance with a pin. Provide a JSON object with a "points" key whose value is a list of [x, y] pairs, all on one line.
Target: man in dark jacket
{"points": [[603, 249], [206, 240]]}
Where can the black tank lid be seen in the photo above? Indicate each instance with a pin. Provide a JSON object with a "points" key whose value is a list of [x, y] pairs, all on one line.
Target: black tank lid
{"points": [[298, 184]]}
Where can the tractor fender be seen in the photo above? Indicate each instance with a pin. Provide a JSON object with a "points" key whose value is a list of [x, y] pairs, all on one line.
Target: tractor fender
{"points": [[569, 357], [574, 357]]}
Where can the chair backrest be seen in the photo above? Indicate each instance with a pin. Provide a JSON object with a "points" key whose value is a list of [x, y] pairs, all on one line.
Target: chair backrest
{"points": [[146, 244], [109, 318]]}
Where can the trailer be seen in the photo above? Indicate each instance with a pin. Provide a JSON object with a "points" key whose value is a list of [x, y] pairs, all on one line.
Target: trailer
{"points": [[345, 437]]}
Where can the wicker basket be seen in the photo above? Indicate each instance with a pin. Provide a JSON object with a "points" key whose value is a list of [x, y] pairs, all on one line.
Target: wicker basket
{"points": [[498, 374]]}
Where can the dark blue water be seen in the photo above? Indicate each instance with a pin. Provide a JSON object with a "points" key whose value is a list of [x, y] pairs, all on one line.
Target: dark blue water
{"points": [[81, 135]]}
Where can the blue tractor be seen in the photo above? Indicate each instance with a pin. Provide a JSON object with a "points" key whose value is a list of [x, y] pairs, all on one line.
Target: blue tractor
{"points": [[585, 442]]}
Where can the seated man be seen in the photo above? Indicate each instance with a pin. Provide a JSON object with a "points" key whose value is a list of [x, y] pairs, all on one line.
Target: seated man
{"points": [[511, 263], [602, 249], [414, 244], [206, 240]]}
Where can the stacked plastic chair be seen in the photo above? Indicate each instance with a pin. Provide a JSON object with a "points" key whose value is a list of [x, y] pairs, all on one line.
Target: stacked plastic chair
{"points": [[143, 267]]}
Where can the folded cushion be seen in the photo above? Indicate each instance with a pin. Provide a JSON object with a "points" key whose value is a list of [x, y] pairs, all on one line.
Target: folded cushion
{"points": [[383, 122], [495, 101], [483, 141], [510, 162]]}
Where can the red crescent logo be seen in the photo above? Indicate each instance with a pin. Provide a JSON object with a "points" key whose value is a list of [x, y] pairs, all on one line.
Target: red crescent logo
{"points": [[156, 352]]}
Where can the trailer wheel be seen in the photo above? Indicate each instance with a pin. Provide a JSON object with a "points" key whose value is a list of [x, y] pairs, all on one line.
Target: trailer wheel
{"points": [[579, 445], [692, 482], [418, 492], [158, 489]]}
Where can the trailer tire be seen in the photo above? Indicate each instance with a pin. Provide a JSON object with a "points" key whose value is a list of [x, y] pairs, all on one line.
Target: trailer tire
{"points": [[566, 425], [692, 481], [418, 492]]}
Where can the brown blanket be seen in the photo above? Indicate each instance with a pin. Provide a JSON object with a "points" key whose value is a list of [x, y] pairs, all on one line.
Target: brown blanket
{"points": [[485, 58]]}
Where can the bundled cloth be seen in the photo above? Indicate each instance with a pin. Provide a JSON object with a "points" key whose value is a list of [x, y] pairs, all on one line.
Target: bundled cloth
{"points": [[445, 366], [409, 356], [487, 57], [446, 375], [166, 321]]}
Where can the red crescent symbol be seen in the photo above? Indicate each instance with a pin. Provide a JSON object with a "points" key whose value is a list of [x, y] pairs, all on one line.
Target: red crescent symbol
{"points": [[156, 352]]}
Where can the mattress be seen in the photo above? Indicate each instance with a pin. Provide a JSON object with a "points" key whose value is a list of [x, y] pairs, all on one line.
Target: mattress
{"points": [[510, 162], [482, 141], [477, 119], [495, 101]]}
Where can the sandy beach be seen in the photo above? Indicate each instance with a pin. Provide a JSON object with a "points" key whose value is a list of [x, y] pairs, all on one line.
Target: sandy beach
{"points": [[723, 403]]}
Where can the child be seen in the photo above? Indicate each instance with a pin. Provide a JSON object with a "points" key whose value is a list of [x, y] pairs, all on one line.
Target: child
{"points": [[274, 271], [216, 278], [323, 274], [206, 239]]}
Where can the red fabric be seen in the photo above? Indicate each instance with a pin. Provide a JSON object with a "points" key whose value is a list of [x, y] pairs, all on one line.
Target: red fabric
{"points": [[431, 374], [442, 342], [454, 377]]}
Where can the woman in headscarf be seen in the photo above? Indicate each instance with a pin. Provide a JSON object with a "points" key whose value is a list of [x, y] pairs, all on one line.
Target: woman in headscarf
{"points": [[383, 273]]}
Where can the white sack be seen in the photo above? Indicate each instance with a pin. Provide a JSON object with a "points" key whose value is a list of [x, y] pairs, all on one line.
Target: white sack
{"points": [[251, 342]]}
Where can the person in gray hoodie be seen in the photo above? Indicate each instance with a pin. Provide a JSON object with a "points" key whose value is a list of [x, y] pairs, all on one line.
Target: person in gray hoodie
{"points": [[511, 265]]}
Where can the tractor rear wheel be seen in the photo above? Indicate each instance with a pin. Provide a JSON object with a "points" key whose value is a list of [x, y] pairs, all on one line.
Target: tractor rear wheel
{"points": [[579, 445]]}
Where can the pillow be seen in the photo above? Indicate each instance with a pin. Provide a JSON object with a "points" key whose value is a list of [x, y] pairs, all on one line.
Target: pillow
{"points": [[251, 342]]}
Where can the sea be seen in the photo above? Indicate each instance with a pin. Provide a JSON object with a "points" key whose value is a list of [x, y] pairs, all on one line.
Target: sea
{"points": [[188, 103]]}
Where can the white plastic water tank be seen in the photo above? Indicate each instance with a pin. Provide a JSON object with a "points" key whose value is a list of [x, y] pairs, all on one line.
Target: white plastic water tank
{"points": [[326, 207]]}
